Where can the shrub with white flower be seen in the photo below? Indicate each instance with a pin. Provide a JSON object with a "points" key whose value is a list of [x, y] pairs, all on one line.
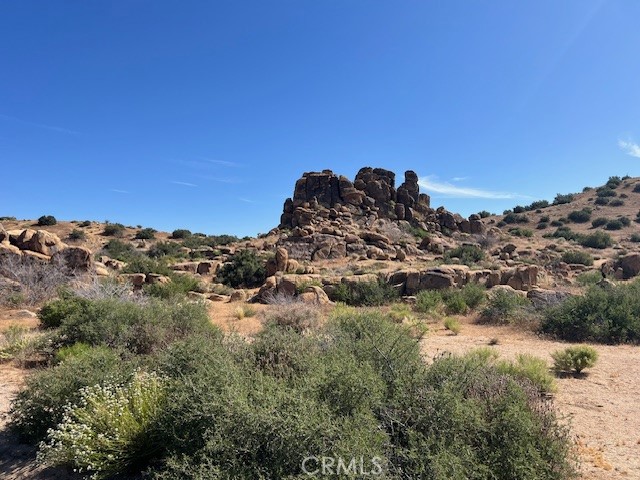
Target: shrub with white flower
{"points": [[109, 429]]}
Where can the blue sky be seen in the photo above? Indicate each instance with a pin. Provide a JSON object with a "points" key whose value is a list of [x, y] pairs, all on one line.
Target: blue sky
{"points": [[202, 114]]}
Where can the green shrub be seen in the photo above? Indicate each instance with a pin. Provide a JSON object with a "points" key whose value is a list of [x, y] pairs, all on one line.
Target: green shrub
{"points": [[519, 209], [75, 350], [504, 307], [521, 232], [626, 221], [113, 230], [512, 218], [598, 240], [532, 368], [428, 301], [41, 404], [53, 313], [598, 222], [373, 293], [485, 214], [542, 225], [589, 278], [474, 294], [580, 216], [296, 315], [180, 233], [636, 188], [146, 234], [564, 232], [616, 203], [545, 218], [47, 221], [77, 234], [165, 249], [604, 192], [538, 204], [575, 358], [466, 254], [614, 225], [561, 199], [601, 201], [120, 250], [635, 237], [246, 269], [108, 431], [452, 324], [178, 287], [600, 315], [454, 302], [613, 182], [85, 223], [138, 328], [146, 265], [577, 257]]}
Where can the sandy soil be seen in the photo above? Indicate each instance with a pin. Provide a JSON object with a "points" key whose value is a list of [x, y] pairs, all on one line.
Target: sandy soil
{"points": [[602, 407]]}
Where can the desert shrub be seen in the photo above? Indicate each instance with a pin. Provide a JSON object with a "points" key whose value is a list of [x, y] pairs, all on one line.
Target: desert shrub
{"points": [[589, 278], [244, 311], [636, 188], [604, 192], [542, 225], [113, 230], [562, 199], [519, 209], [598, 240], [521, 232], [454, 301], [452, 324], [85, 223], [532, 368], [180, 233], [484, 214], [564, 232], [135, 327], [466, 254], [578, 257], [165, 249], [372, 293], [614, 225], [613, 182], [146, 234], [599, 222], [504, 307], [178, 287], [512, 218], [70, 351], [296, 315], [13, 341], [624, 195], [35, 281], [600, 315], [246, 269], [53, 313], [635, 238], [545, 218], [580, 216], [108, 431], [601, 201], [616, 203], [200, 240], [428, 301], [474, 294], [47, 221], [120, 250], [41, 404], [538, 204], [575, 358], [143, 264], [626, 221], [77, 234]]}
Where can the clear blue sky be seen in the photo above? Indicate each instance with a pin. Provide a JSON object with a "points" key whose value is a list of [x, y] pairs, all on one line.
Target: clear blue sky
{"points": [[202, 114]]}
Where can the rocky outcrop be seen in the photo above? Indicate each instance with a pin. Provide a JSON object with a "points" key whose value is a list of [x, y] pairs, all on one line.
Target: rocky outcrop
{"points": [[630, 265]]}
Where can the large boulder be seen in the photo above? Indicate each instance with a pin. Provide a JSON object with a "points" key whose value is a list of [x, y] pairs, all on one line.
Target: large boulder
{"points": [[630, 265], [77, 259], [39, 241]]}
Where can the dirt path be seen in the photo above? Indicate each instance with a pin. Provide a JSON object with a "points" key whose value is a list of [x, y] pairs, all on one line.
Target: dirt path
{"points": [[603, 408]]}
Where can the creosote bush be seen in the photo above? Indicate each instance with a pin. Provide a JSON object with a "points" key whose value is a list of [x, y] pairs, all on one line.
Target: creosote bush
{"points": [[113, 230], [465, 254], [577, 257], [146, 234], [575, 358], [370, 293], [246, 269], [47, 221], [601, 315], [504, 307]]}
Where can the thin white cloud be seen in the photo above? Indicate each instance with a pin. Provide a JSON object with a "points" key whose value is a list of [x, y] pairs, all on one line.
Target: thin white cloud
{"points": [[630, 148], [220, 179], [223, 163], [185, 184], [245, 200], [117, 191], [460, 179], [453, 191], [38, 125]]}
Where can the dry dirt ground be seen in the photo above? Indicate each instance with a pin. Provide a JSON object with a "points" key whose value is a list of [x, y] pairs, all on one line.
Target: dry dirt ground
{"points": [[602, 408]]}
